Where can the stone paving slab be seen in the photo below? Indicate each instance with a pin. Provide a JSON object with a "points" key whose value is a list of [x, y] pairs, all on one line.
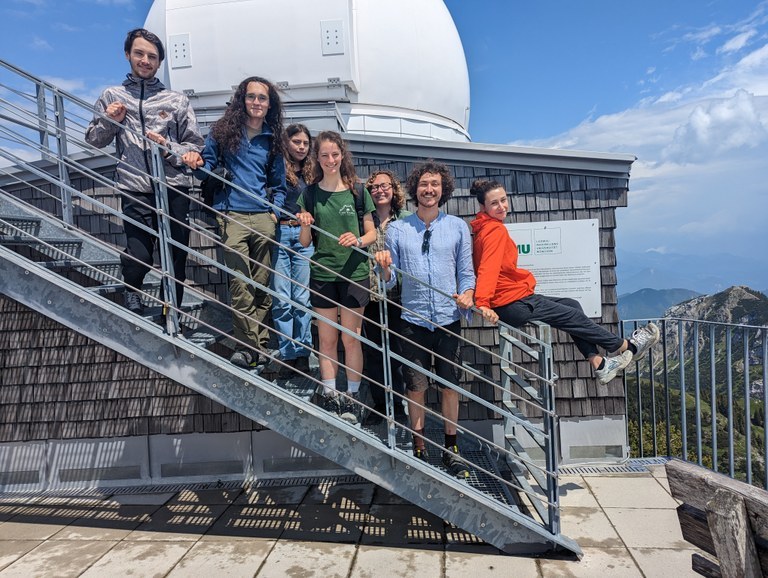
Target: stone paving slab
{"points": [[392, 525], [478, 565], [234, 559], [589, 527], [636, 491], [327, 523], [206, 497], [309, 559], [259, 521], [378, 561], [278, 495], [574, 491], [58, 558], [647, 528], [185, 522], [665, 562], [612, 562], [114, 522], [146, 559], [10, 551]]}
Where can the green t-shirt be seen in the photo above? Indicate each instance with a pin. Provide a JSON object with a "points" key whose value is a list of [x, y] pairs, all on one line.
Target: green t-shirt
{"points": [[336, 213]]}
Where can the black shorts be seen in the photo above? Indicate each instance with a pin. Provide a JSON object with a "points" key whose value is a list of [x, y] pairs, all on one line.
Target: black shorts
{"points": [[443, 341], [331, 294]]}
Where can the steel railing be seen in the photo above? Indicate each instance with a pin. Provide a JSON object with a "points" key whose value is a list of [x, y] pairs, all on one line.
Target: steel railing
{"points": [[43, 122], [700, 396]]}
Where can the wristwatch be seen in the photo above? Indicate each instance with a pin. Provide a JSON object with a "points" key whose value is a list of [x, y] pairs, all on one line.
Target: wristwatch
{"points": [[359, 242]]}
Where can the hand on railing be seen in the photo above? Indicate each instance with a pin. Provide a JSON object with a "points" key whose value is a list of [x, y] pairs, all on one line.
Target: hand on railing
{"points": [[192, 159], [489, 315], [384, 261], [464, 300]]}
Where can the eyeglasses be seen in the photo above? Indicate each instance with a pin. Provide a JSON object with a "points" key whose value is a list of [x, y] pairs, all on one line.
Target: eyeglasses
{"points": [[383, 186], [260, 97], [425, 242]]}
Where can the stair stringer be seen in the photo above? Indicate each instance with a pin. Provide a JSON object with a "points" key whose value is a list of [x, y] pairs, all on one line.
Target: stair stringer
{"points": [[264, 402]]}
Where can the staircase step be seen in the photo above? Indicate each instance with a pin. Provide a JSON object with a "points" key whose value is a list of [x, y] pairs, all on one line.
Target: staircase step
{"points": [[10, 226], [532, 392], [510, 338], [532, 431]]}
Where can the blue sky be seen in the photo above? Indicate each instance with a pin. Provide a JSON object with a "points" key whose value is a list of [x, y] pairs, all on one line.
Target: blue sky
{"points": [[682, 85]]}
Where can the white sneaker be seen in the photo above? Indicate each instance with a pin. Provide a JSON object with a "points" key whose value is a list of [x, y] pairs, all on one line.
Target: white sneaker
{"points": [[613, 365], [644, 338]]}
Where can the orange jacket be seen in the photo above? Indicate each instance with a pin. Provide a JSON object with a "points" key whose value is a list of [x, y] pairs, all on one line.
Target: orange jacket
{"points": [[494, 254]]}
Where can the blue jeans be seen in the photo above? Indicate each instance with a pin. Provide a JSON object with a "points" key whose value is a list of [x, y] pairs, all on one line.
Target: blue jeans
{"points": [[290, 280]]}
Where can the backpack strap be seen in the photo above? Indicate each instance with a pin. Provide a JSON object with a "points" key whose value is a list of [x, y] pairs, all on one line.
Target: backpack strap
{"points": [[360, 206]]}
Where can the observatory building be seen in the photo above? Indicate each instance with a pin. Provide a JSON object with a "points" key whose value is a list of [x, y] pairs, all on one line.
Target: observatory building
{"points": [[366, 67]]}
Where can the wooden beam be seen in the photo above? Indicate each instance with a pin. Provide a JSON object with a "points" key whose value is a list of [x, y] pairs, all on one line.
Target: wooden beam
{"points": [[732, 535]]}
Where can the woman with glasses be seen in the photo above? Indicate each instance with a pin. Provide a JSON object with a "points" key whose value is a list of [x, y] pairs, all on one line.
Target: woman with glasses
{"points": [[339, 274], [506, 292], [291, 259], [389, 198]]}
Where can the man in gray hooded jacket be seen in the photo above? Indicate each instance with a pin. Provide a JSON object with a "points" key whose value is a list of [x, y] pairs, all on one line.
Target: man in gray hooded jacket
{"points": [[141, 109]]}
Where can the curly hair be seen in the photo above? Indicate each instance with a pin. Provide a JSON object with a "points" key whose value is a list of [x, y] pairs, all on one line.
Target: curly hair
{"points": [[398, 197], [482, 187], [291, 166], [228, 130], [433, 167], [346, 168]]}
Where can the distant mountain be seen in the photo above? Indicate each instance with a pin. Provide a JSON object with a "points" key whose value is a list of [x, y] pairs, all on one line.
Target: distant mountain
{"points": [[705, 274], [734, 305], [651, 303]]}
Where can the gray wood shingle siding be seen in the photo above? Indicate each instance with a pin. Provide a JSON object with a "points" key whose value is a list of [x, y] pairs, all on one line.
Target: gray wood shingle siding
{"points": [[57, 384]]}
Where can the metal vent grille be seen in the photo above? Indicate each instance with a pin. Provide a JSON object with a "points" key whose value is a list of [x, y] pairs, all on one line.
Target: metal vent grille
{"points": [[632, 466]]}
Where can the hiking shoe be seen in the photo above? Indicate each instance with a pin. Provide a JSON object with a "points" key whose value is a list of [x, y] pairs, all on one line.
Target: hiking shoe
{"points": [[244, 358], [453, 464], [133, 303], [644, 338], [613, 365], [421, 453], [330, 403], [271, 357], [302, 365], [351, 411]]}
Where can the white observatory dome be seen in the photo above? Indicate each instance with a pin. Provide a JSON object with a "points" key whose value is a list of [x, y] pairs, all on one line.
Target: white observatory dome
{"points": [[375, 67]]}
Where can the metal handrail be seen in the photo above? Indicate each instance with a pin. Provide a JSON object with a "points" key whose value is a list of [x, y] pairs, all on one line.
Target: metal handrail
{"points": [[176, 315]]}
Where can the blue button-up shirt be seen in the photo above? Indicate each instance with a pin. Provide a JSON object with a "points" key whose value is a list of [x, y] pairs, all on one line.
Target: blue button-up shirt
{"points": [[447, 266]]}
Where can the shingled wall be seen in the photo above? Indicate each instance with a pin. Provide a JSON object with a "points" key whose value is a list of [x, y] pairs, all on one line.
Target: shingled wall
{"points": [[57, 384]]}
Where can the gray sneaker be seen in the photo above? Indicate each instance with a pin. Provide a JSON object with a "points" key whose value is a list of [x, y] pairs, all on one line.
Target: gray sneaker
{"points": [[453, 463], [244, 358], [351, 408], [644, 338], [613, 365]]}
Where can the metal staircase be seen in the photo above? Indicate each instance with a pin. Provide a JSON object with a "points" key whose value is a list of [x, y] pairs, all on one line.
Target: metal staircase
{"points": [[69, 274]]}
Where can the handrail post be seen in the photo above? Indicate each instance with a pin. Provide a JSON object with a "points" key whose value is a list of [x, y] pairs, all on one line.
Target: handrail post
{"points": [[168, 282], [61, 154], [552, 447], [389, 401], [41, 118]]}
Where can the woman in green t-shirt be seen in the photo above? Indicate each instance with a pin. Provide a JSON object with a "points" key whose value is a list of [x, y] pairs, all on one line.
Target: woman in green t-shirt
{"points": [[339, 276]]}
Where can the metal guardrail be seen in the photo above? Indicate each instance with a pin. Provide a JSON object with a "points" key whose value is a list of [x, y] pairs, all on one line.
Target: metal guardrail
{"points": [[41, 121], [704, 399]]}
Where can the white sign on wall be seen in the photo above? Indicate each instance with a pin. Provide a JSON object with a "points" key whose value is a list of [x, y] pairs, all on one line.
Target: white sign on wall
{"points": [[564, 256]]}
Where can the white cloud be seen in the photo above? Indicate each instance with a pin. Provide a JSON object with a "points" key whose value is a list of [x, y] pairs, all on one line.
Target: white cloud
{"points": [[67, 84], [716, 127], [737, 42], [40, 44]]}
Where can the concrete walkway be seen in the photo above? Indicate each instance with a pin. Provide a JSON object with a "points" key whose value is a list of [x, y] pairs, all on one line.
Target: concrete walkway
{"points": [[626, 525]]}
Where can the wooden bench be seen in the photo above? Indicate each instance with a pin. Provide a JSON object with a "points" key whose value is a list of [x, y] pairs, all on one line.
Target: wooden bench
{"points": [[722, 516]]}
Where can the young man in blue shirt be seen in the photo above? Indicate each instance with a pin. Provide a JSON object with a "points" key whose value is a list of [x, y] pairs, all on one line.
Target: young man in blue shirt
{"points": [[436, 249]]}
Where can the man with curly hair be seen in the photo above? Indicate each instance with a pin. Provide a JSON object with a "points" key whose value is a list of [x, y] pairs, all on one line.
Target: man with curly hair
{"points": [[433, 250], [248, 141]]}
